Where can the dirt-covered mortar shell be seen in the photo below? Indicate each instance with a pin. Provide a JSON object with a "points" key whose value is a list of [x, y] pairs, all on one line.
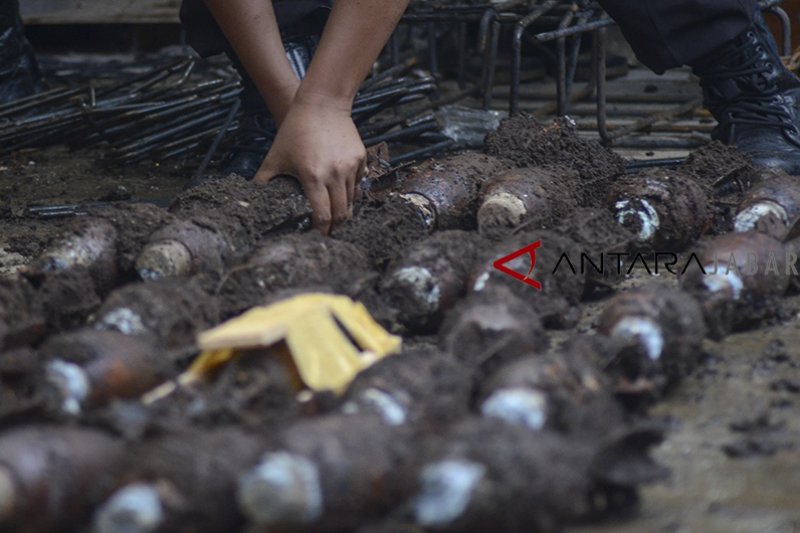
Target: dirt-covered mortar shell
{"points": [[665, 209]]}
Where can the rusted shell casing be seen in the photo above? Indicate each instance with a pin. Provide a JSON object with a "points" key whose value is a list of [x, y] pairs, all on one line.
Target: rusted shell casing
{"points": [[563, 392], [742, 267], [421, 388], [665, 209], [428, 280], [184, 480], [662, 329], [493, 476], [91, 244], [562, 281], [776, 198], [50, 476], [329, 473], [535, 196], [172, 312], [490, 328], [92, 367], [183, 248], [452, 186]]}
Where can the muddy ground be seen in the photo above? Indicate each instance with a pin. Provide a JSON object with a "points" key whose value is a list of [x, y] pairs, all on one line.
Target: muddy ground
{"points": [[731, 446]]}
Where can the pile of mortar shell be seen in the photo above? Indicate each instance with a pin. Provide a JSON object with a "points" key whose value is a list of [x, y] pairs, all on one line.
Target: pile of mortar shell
{"points": [[429, 438]]}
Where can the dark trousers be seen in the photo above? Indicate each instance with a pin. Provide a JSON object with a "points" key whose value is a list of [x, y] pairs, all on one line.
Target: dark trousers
{"points": [[671, 33]]}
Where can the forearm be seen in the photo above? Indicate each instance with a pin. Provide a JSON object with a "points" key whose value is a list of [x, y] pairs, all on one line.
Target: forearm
{"points": [[354, 36], [252, 30]]}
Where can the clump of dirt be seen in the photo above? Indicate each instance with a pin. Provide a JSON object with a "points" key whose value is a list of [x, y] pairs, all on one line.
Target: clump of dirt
{"points": [[526, 142], [68, 298], [385, 229], [22, 320], [293, 262], [423, 388], [134, 224], [452, 186], [597, 233], [429, 278], [726, 174], [172, 311], [717, 164], [245, 211]]}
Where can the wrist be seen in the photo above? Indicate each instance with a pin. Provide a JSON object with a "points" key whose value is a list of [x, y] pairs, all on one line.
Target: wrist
{"points": [[320, 98]]}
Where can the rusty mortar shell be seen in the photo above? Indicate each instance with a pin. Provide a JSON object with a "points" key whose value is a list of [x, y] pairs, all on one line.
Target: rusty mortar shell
{"points": [[92, 244], [741, 267], [331, 472], [171, 312], [90, 367], [561, 287], [534, 196], [665, 209], [487, 328], [416, 388], [50, 476], [449, 187], [181, 480], [777, 197], [664, 327], [180, 249], [563, 392], [492, 476], [430, 277]]}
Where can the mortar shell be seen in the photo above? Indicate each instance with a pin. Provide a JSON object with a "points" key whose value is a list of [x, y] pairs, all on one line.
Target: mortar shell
{"points": [[181, 249], [91, 245], [91, 367], [452, 186], [778, 197], [532, 196], [50, 476], [741, 267], [666, 210], [428, 280], [328, 474], [662, 327]]}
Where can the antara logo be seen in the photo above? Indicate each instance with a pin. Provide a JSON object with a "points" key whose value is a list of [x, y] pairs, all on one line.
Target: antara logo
{"points": [[501, 263]]}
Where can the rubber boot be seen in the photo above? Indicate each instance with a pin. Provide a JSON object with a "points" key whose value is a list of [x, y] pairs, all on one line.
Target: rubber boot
{"points": [[755, 98]]}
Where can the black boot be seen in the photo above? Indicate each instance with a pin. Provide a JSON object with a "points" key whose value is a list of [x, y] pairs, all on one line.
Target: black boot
{"points": [[755, 99], [257, 130], [19, 72]]}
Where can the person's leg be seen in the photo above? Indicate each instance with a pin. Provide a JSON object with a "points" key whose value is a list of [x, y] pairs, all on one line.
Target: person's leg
{"points": [[671, 33], [19, 72], [755, 99], [301, 25]]}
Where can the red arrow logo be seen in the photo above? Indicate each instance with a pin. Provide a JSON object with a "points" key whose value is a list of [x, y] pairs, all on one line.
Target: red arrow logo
{"points": [[500, 265]]}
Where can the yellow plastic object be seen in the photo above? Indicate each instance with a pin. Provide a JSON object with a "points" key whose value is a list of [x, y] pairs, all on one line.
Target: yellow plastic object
{"points": [[319, 331]]}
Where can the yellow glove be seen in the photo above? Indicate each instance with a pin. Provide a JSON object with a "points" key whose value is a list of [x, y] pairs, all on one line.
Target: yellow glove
{"points": [[317, 330]]}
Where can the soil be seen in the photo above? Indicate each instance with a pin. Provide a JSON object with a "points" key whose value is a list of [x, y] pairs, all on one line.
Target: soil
{"points": [[385, 229], [525, 142]]}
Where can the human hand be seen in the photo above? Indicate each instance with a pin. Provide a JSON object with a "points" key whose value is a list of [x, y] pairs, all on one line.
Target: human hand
{"points": [[319, 145]]}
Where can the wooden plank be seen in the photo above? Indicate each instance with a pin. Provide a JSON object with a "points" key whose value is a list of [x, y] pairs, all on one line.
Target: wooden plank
{"points": [[99, 11]]}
